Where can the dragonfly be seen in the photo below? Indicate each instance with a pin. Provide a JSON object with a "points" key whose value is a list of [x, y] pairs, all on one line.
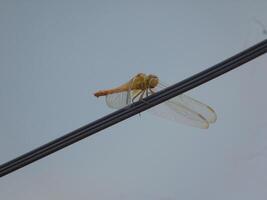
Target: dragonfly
{"points": [[181, 109]]}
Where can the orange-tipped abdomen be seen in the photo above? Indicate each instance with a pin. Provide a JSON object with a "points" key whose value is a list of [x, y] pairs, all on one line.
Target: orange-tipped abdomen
{"points": [[101, 93], [121, 88]]}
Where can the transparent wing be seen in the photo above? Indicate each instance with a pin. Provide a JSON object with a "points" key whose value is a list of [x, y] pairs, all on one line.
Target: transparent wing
{"points": [[206, 111], [186, 110], [180, 114], [118, 100], [122, 99]]}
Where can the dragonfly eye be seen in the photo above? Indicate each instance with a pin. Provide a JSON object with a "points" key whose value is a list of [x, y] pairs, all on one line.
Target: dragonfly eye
{"points": [[153, 82]]}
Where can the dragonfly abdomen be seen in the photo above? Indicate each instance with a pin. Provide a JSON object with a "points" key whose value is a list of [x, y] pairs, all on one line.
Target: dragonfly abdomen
{"points": [[122, 88]]}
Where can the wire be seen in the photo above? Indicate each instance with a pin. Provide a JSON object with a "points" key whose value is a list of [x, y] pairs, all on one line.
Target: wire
{"points": [[135, 108]]}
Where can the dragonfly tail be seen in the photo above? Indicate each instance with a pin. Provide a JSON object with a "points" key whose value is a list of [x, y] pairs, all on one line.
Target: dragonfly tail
{"points": [[121, 88]]}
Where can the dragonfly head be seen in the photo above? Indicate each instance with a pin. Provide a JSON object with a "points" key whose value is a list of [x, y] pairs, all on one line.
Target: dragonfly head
{"points": [[152, 80]]}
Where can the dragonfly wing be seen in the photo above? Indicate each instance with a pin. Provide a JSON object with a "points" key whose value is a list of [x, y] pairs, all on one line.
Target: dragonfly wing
{"points": [[118, 100], [186, 110], [204, 110], [180, 114], [122, 99]]}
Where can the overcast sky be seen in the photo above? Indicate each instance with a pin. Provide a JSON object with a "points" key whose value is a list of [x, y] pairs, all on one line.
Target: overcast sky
{"points": [[55, 54]]}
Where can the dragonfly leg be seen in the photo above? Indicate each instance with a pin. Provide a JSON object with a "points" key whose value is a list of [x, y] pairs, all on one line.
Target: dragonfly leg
{"points": [[136, 95], [152, 92], [141, 97]]}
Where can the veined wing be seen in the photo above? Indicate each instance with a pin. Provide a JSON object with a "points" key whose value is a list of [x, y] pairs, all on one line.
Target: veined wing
{"points": [[186, 110], [118, 100], [204, 110], [121, 99], [180, 114]]}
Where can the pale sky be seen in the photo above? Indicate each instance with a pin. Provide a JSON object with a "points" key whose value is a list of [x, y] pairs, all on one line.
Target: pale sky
{"points": [[55, 54]]}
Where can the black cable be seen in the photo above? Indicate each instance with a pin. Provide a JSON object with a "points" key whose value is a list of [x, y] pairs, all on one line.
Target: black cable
{"points": [[135, 108]]}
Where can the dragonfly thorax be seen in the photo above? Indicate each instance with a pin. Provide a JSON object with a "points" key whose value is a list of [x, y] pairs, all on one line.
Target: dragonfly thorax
{"points": [[142, 81]]}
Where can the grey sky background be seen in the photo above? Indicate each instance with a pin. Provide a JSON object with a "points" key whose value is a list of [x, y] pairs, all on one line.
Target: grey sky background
{"points": [[55, 54]]}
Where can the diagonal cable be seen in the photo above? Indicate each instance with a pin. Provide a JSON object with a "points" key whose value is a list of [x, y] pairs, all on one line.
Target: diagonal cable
{"points": [[135, 108]]}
